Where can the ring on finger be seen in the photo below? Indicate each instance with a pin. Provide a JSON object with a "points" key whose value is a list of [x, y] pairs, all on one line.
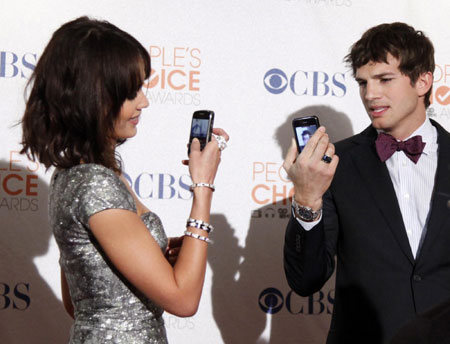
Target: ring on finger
{"points": [[221, 142], [326, 159]]}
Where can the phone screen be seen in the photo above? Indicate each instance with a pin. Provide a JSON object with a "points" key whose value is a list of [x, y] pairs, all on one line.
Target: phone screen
{"points": [[199, 129], [304, 134], [304, 128]]}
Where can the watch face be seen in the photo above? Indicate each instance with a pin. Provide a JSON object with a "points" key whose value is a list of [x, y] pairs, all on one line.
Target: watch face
{"points": [[305, 214]]}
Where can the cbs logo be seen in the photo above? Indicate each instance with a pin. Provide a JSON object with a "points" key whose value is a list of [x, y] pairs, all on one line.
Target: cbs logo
{"points": [[301, 83], [13, 65], [160, 185], [271, 301], [15, 296]]}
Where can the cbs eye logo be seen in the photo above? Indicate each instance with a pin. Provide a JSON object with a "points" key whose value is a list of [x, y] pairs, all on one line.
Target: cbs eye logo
{"points": [[271, 300], [275, 81], [314, 83]]}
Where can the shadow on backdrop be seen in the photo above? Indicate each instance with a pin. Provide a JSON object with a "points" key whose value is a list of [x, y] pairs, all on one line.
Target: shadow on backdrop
{"points": [[30, 312], [248, 282]]}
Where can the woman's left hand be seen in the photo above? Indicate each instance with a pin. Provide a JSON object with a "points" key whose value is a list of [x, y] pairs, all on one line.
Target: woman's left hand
{"points": [[216, 131], [203, 164], [173, 248]]}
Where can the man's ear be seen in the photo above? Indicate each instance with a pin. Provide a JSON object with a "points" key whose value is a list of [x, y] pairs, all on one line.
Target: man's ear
{"points": [[424, 83]]}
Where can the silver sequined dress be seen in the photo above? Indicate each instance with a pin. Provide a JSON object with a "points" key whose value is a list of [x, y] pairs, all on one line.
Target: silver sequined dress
{"points": [[108, 309]]}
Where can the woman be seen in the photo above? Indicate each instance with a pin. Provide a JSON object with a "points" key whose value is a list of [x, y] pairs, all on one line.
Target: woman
{"points": [[86, 98]]}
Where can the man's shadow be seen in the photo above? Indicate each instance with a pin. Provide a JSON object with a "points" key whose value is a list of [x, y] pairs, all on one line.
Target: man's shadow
{"points": [[30, 312], [251, 300]]}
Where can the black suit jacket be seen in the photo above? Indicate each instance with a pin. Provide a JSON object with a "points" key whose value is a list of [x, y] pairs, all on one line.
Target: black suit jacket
{"points": [[432, 327], [379, 285]]}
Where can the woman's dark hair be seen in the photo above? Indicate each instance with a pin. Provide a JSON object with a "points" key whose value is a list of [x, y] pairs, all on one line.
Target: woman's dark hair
{"points": [[412, 48], [85, 74]]}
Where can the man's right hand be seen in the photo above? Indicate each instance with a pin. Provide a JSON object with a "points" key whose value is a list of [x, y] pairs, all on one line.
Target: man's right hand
{"points": [[310, 174]]}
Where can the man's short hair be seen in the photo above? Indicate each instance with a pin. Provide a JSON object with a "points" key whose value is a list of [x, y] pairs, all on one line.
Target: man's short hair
{"points": [[412, 48]]}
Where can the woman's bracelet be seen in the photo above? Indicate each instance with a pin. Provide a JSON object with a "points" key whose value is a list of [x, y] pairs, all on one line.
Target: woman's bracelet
{"points": [[194, 185], [199, 237], [199, 224]]}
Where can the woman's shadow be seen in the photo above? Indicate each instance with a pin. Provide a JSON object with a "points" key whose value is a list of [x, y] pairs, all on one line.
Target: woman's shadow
{"points": [[30, 312], [248, 282]]}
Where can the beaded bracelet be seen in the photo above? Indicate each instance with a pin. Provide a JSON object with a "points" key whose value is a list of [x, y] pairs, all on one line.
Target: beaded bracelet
{"points": [[199, 224], [199, 237], [194, 185]]}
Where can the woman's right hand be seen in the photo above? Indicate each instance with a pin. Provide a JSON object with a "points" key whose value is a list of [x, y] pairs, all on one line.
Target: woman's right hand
{"points": [[203, 164]]}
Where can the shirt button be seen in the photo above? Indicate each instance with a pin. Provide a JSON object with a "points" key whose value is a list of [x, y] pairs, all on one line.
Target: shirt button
{"points": [[417, 278], [406, 195], [408, 232], [404, 163]]}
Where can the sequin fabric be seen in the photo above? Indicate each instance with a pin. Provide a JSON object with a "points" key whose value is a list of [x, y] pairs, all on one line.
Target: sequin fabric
{"points": [[108, 309]]}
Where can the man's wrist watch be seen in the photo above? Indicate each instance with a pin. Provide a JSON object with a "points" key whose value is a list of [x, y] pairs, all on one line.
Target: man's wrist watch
{"points": [[304, 213]]}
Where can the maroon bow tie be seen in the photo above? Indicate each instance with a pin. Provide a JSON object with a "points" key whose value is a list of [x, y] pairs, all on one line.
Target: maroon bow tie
{"points": [[386, 145]]}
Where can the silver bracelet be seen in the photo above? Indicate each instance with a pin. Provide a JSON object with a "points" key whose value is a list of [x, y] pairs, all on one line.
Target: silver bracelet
{"points": [[199, 237], [194, 185], [199, 224]]}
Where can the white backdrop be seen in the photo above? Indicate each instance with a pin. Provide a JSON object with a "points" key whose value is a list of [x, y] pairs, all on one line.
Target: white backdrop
{"points": [[257, 64]]}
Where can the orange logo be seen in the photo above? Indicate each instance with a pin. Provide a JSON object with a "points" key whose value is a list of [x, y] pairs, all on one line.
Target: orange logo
{"points": [[19, 184], [442, 95], [15, 180], [179, 69], [269, 175]]}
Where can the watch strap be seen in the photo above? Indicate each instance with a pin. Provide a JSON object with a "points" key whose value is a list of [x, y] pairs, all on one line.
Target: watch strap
{"points": [[304, 213]]}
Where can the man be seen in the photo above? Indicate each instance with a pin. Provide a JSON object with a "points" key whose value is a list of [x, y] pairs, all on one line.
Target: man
{"points": [[306, 135], [381, 214], [431, 327]]}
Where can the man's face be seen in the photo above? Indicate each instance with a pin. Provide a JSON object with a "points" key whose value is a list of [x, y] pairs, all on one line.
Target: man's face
{"points": [[393, 104], [306, 137]]}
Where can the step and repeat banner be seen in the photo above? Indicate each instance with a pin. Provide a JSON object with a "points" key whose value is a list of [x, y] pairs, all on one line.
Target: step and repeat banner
{"points": [[257, 65]]}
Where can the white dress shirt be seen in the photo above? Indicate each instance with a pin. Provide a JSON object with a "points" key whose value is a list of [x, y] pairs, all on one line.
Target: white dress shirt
{"points": [[413, 184]]}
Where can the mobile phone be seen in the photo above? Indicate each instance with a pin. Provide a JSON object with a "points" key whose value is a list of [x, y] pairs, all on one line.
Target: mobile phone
{"points": [[304, 128], [201, 127]]}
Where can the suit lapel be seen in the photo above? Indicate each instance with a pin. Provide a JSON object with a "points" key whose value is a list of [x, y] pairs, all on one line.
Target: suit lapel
{"points": [[376, 176], [439, 211]]}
